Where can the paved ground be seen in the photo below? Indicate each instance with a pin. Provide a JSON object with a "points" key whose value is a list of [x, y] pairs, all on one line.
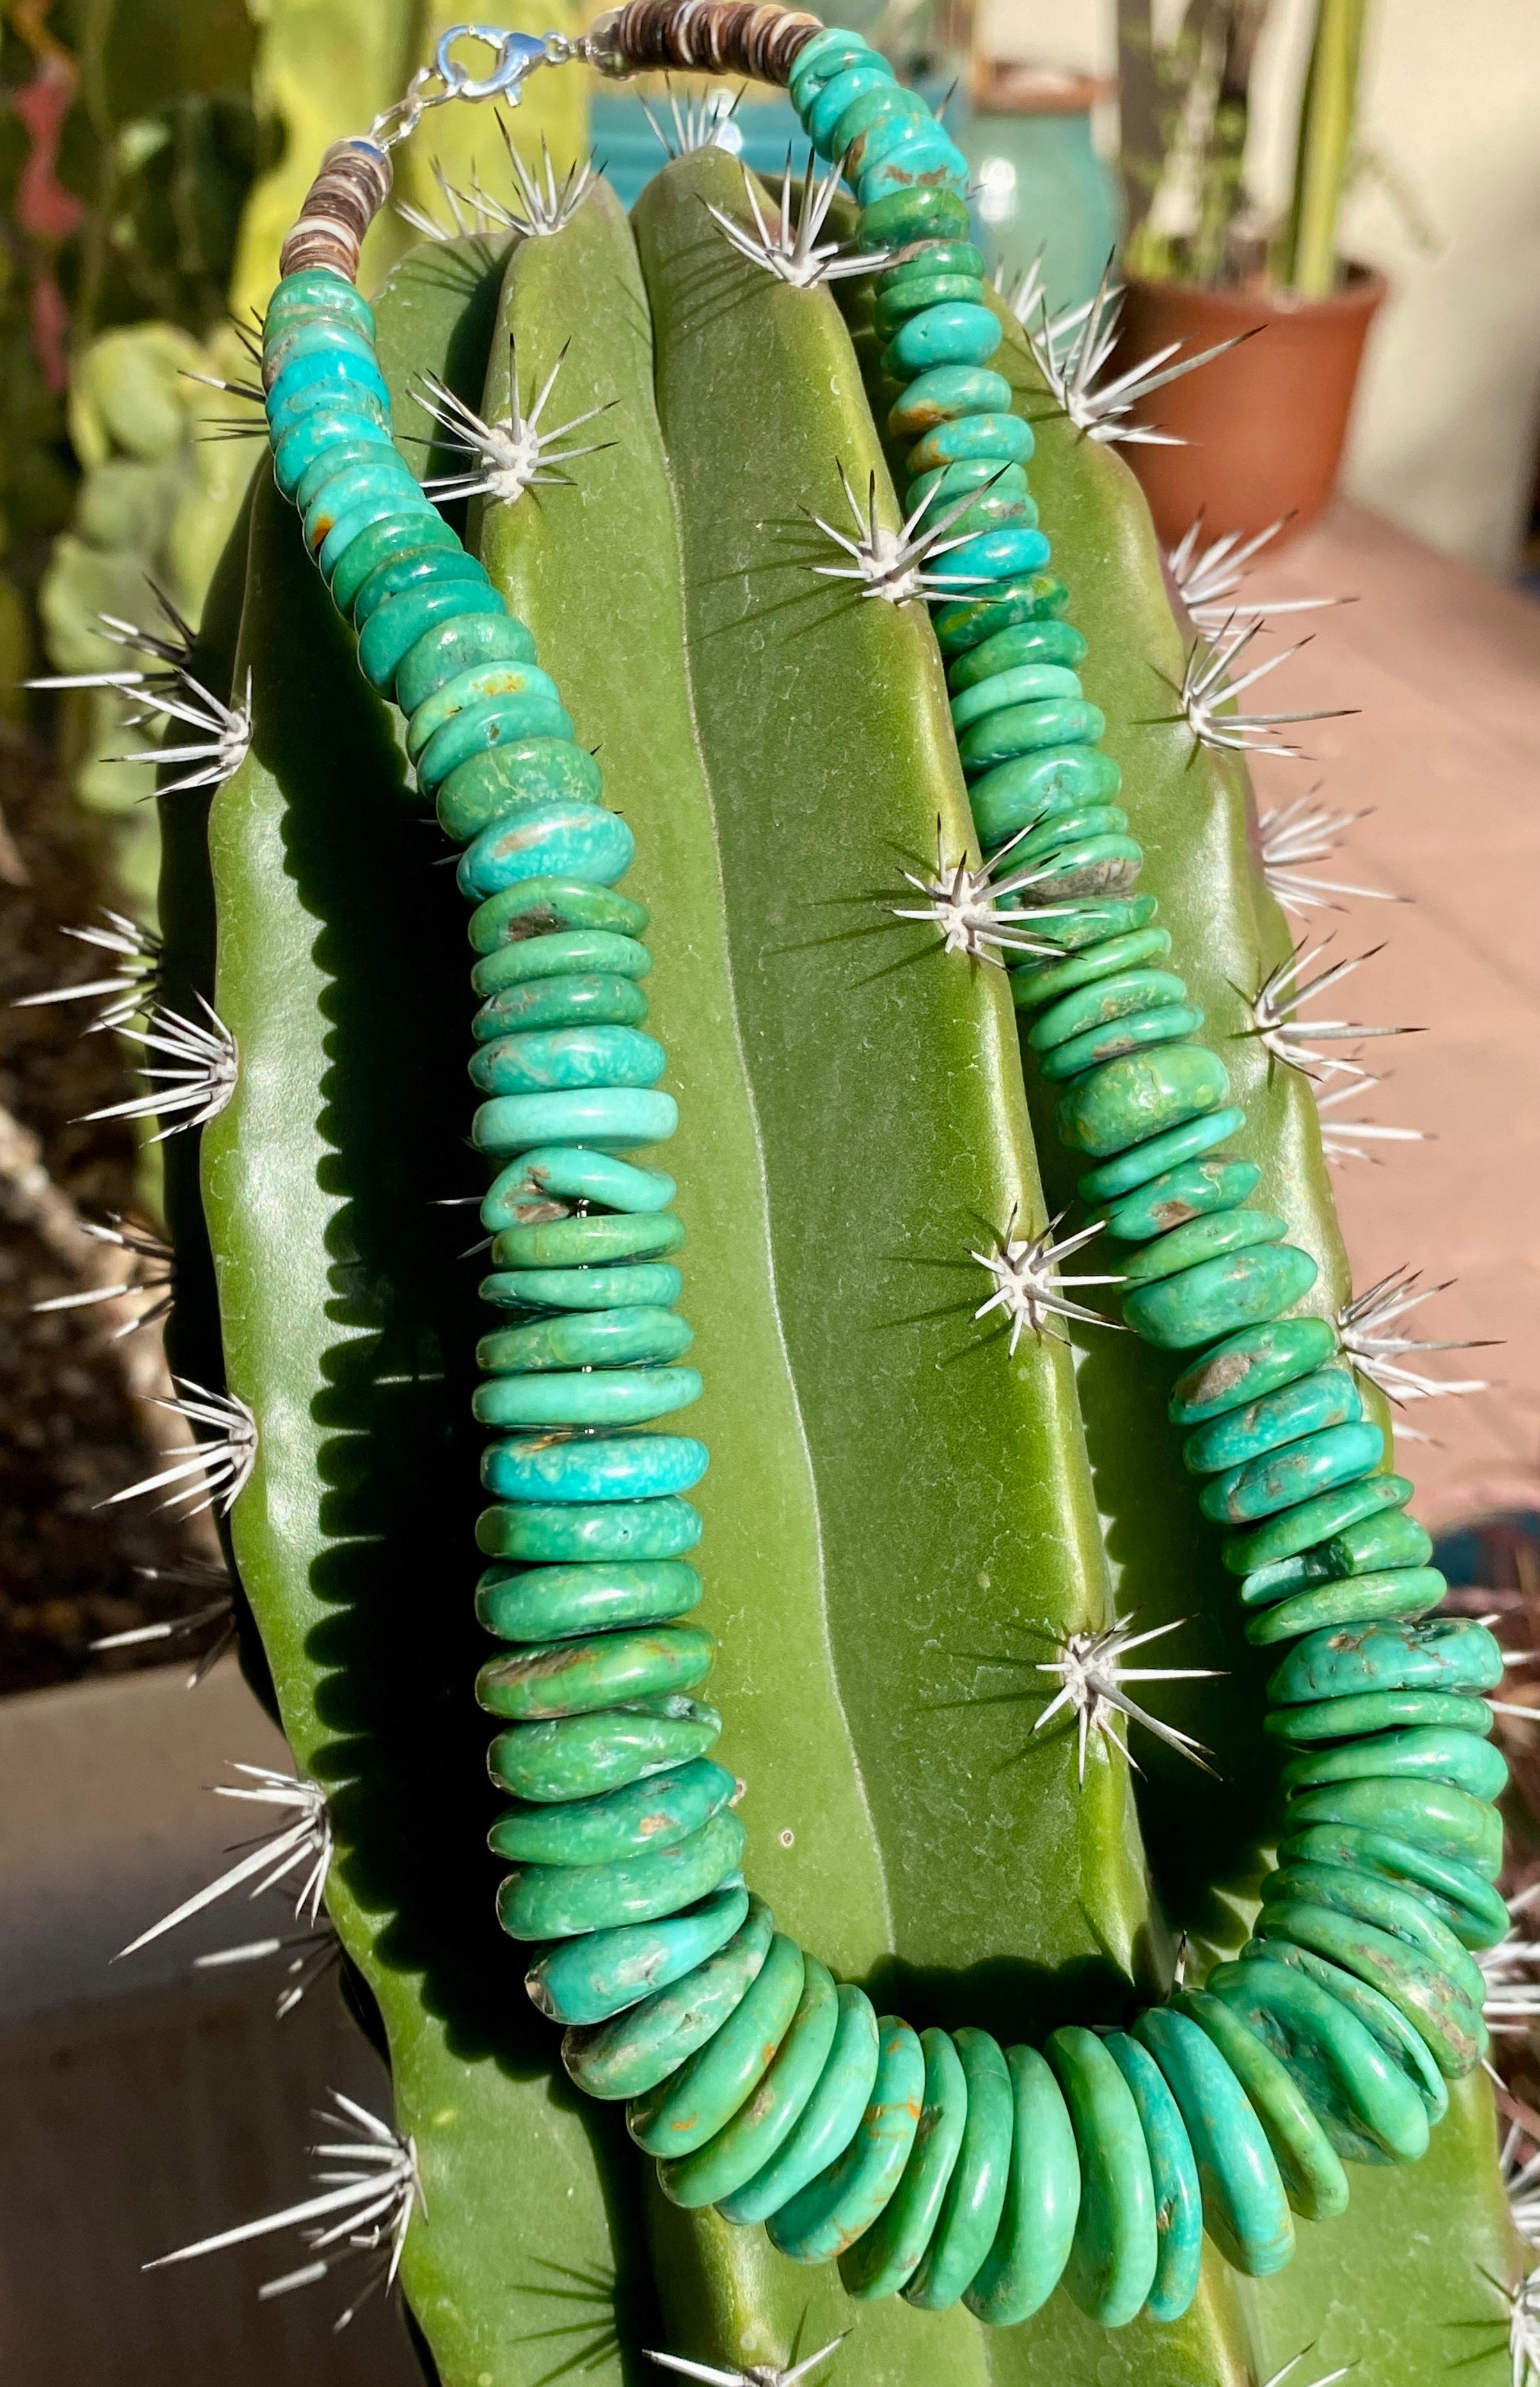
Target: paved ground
{"points": [[1445, 667]]}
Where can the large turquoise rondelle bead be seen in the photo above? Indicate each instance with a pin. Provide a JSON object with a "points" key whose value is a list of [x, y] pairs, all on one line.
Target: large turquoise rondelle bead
{"points": [[1041, 982], [1028, 683], [1026, 643], [413, 531], [409, 572], [400, 622], [1403, 2045], [1421, 1755], [1201, 1240], [621, 1529], [1309, 2165], [694, 2103], [343, 402], [318, 435], [1450, 2027], [1430, 1814], [586, 999], [875, 107], [1131, 1101], [887, 2257], [1338, 1454], [1014, 729], [315, 293], [653, 1814], [588, 1979], [871, 73], [558, 837], [1320, 1521], [1195, 1189], [589, 1398], [575, 1756], [451, 647], [1473, 1909], [595, 1241], [923, 213], [1371, 1712], [1246, 2210], [992, 438], [1381, 1536], [1248, 1366], [1174, 2175], [562, 1060], [746, 2143], [1143, 1161], [1448, 1653], [636, 1335], [1327, 1396], [828, 2120], [821, 58], [569, 1677], [1029, 786], [549, 1175], [1399, 1594], [1220, 1296], [484, 729], [1363, 2100], [594, 1466], [633, 2051], [510, 779], [468, 688], [944, 394], [564, 1603], [948, 333], [1115, 2250], [337, 370], [974, 2196], [1102, 1003], [335, 456], [373, 487], [896, 303], [618, 1119], [656, 1284], [558, 1902], [562, 953], [1042, 2199], [838, 2206], [1390, 1907]]}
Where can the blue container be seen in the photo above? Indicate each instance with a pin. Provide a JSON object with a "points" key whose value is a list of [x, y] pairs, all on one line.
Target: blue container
{"points": [[1038, 183], [760, 130]]}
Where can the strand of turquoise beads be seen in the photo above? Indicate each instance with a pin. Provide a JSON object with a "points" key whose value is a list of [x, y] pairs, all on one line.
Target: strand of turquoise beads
{"points": [[768, 2090]]}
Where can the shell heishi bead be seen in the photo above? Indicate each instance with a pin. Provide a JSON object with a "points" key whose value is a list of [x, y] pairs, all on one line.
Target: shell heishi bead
{"points": [[1337, 1454], [1137, 1031], [320, 436], [1248, 1366], [1399, 1594], [576, 1756], [1027, 684], [416, 530], [881, 105], [420, 569], [558, 1902], [1024, 642], [578, 1677], [558, 1603], [1195, 1190], [828, 2122], [943, 395], [975, 2195], [1326, 1396], [689, 2103], [1203, 1239], [1100, 1003], [553, 839], [486, 790], [587, 1398], [554, 1175], [952, 333], [445, 654], [656, 1812], [1219, 1295], [591, 1000], [841, 2202], [1460, 1757], [1131, 1101], [869, 73], [633, 1335], [896, 306], [481, 728], [1365, 1546], [1473, 1909], [1152, 1159], [401, 621], [1116, 2247], [1449, 1653], [632, 1529], [1022, 790], [640, 2047], [561, 1059], [1244, 2208], [1314, 1521], [565, 951], [473, 687], [586, 1980]]}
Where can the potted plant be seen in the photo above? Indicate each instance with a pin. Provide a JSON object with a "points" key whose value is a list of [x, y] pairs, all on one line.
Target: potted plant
{"points": [[1263, 426]]}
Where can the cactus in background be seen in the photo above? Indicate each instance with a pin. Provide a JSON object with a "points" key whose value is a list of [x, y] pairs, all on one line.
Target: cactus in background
{"points": [[947, 1541]]}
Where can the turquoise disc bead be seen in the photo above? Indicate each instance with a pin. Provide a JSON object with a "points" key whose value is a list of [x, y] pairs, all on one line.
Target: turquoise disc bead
{"points": [[320, 436], [694, 2103], [968, 620], [930, 162], [563, 1060], [827, 2121], [896, 304], [1364, 1544], [837, 2207], [584, 1000], [887, 2257], [952, 333], [1404, 2046], [997, 439], [564, 839], [473, 685], [558, 1902], [569, 1678], [1309, 2165], [316, 294], [1174, 2175], [594, 1466], [1137, 1032], [633, 1397], [657, 1283], [560, 1603], [1030, 786], [653, 1814], [400, 622], [1036, 727], [1137, 1099], [588, 1979], [634, 1335], [575, 1756], [1027, 683], [583, 1242], [820, 118], [565, 951], [746, 2143], [875, 107], [338, 370], [1321, 1519], [619, 1117], [551, 1174], [1430, 1814], [444, 653], [366, 492], [1244, 2208], [414, 530], [634, 2051], [518, 776], [1385, 1905], [975, 2197], [336, 457], [1042, 2200], [417, 572], [1338, 1454], [1116, 2249], [1102, 1003], [1153, 1158], [480, 729], [1219, 1295], [1195, 1190], [1400, 1595], [943, 394], [1366, 2105], [1448, 1653], [1376, 1712], [1200, 1240], [820, 59], [1327, 1396], [1046, 981], [1026, 643], [930, 258], [1473, 1909], [629, 1529], [1448, 2025], [914, 215]]}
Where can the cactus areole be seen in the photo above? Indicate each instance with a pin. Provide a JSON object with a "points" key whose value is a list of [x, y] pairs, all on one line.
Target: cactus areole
{"points": [[793, 831]]}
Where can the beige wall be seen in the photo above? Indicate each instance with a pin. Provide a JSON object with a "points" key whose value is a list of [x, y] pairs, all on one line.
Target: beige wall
{"points": [[1444, 437]]}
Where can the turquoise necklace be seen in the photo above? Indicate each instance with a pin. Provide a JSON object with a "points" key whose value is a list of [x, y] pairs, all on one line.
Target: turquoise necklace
{"points": [[936, 2165]]}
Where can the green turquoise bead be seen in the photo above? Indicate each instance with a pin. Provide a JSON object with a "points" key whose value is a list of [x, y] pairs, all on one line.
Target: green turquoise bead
{"points": [[482, 728], [634, 2051], [1344, 1890], [1246, 2210], [1159, 1154], [933, 256], [1063, 826], [838, 2206], [1309, 2165], [1017, 794], [1096, 866], [620, 1118], [571, 1677], [896, 306], [1404, 2046], [994, 507], [966, 621], [1195, 1190], [1430, 1814], [975, 2197], [1200, 1240], [1042, 2200], [1455, 1892], [633, 1396], [869, 73], [628, 1529], [1137, 1032], [654, 1284], [309, 335], [887, 2256], [1318, 1521], [1005, 555], [1338, 1454], [1371, 1712], [1174, 2176], [469, 687], [1115, 2250], [1461, 1758], [552, 839], [335, 401], [573, 1756], [414, 573], [821, 58], [1368, 2108], [1219, 1295], [828, 2122], [336, 457], [945, 393], [444, 653], [1028, 683], [401, 621], [1048, 981], [370, 491], [588, 1979], [1384, 1538], [594, 1466], [583, 1001], [479, 793], [988, 438], [875, 107], [583, 1242], [1134, 1100], [1091, 923], [952, 333], [899, 157], [568, 952], [1103, 1002], [1025, 728], [653, 1814], [1327, 1396], [745, 2144], [315, 294], [339, 371], [1398, 1596], [632, 1336], [1448, 1653], [560, 1060], [1026, 643], [418, 532], [558, 1902], [1449, 2025], [320, 436], [925, 214], [560, 1603], [544, 1177], [694, 2103]]}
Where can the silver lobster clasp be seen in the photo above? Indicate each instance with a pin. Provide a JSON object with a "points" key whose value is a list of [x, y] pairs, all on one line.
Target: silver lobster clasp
{"points": [[517, 56]]}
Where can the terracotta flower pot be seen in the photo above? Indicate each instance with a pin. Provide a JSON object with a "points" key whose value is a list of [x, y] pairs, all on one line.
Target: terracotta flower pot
{"points": [[1265, 423]]}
